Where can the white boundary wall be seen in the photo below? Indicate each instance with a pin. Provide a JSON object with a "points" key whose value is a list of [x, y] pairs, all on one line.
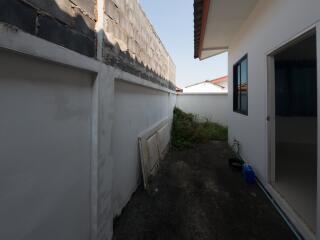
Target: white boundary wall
{"points": [[102, 118], [207, 106], [136, 109], [271, 24]]}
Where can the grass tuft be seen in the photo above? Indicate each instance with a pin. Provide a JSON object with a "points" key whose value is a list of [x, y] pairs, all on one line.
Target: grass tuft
{"points": [[188, 131]]}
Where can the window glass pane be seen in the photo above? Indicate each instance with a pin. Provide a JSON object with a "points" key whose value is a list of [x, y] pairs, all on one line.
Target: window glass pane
{"points": [[244, 86], [244, 71], [244, 102], [240, 83], [238, 87]]}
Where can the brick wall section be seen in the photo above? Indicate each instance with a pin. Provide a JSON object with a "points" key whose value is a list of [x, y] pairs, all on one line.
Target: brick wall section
{"points": [[132, 44]]}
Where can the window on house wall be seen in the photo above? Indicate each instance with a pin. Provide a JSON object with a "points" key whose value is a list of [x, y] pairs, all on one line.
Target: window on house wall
{"points": [[240, 86]]}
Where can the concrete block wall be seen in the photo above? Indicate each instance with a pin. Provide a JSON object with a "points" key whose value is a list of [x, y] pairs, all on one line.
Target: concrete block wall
{"points": [[130, 33], [130, 42], [64, 22]]}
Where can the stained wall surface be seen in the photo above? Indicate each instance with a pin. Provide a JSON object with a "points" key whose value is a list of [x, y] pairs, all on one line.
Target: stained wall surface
{"points": [[57, 158], [45, 150]]}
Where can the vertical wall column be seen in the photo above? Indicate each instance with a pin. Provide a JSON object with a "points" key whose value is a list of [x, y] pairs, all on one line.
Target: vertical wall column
{"points": [[94, 159], [105, 162], [102, 162], [103, 221]]}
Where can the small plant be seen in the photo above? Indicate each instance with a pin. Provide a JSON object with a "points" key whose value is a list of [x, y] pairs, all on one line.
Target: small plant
{"points": [[187, 130]]}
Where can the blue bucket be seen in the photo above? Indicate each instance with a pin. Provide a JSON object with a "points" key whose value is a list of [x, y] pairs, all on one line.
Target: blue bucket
{"points": [[248, 174]]}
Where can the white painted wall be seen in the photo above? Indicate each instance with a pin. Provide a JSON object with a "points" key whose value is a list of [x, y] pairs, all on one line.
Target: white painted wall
{"points": [[53, 114], [136, 109], [45, 150], [205, 87], [213, 107], [270, 24]]}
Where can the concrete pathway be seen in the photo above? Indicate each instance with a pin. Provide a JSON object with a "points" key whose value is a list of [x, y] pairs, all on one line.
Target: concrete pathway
{"points": [[196, 196]]}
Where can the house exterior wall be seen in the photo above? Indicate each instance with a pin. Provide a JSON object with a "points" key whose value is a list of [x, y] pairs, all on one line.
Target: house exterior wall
{"points": [[210, 106], [271, 24], [71, 34]]}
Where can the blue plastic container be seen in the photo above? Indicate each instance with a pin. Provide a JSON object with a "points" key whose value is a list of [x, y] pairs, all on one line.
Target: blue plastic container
{"points": [[248, 174]]}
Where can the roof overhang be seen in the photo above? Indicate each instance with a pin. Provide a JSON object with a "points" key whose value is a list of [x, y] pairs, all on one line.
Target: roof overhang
{"points": [[216, 22]]}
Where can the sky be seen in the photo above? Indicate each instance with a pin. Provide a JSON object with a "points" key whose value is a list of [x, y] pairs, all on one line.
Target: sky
{"points": [[173, 21]]}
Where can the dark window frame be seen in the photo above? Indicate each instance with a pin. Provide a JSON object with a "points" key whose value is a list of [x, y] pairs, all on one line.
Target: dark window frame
{"points": [[236, 101]]}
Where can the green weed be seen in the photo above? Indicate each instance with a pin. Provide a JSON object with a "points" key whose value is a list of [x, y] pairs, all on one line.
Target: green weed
{"points": [[187, 130]]}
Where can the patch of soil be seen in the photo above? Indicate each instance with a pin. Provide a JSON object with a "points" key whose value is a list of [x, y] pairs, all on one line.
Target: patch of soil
{"points": [[196, 196]]}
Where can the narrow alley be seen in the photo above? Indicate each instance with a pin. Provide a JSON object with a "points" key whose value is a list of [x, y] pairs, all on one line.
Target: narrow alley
{"points": [[196, 195], [101, 99]]}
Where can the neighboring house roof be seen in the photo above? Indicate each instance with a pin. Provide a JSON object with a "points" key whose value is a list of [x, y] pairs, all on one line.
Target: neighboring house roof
{"points": [[219, 80], [179, 89], [215, 81], [195, 84], [215, 85]]}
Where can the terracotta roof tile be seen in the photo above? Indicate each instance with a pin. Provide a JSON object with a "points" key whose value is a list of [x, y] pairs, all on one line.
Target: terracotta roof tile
{"points": [[219, 80]]}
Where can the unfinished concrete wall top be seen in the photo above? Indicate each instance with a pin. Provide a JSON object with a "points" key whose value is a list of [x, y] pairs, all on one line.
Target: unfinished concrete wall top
{"points": [[64, 22], [129, 32], [130, 41]]}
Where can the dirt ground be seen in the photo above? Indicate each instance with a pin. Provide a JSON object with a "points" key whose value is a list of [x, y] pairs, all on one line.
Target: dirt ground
{"points": [[196, 196]]}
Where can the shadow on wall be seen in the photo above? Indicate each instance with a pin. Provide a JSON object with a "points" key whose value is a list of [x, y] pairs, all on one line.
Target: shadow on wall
{"points": [[62, 22], [114, 56], [71, 24]]}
